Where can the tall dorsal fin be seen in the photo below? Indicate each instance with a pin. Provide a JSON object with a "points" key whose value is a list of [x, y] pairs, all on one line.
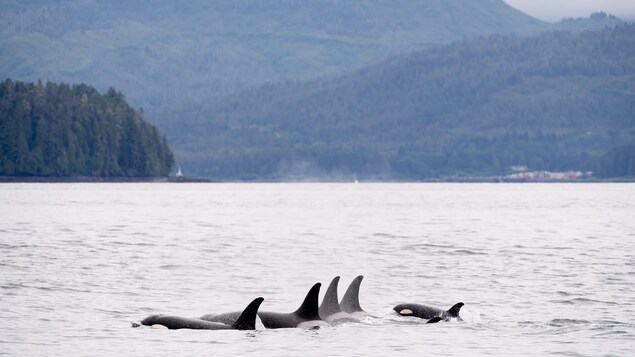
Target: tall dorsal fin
{"points": [[247, 319], [350, 301], [309, 308], [330, 304], [454, 310]]}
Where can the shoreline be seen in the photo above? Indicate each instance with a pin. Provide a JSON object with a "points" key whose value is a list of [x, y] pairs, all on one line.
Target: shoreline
{"points": [[96, 179], [173, 179]]}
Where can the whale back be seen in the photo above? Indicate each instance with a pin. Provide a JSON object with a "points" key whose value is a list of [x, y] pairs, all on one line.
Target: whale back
{"points": [[247, 319], [418, 310], [309, 309], [178, 322], [350, 301], [330, 305], [428, 312]]}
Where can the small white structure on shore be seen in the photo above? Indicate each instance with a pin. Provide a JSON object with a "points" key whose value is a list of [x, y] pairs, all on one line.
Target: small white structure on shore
{"points": [[179, 173]]}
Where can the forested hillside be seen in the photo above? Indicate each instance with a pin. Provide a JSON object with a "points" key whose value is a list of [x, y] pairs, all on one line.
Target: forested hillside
{"points": [[57, 130], [412, 117], [160, 53], [557, 101]]}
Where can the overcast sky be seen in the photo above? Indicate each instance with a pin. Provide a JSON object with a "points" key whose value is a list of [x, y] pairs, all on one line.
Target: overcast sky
{"points": [[555, 10]]}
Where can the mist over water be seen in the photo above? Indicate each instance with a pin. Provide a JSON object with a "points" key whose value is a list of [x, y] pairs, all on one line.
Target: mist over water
{"points": [[542, 268]]}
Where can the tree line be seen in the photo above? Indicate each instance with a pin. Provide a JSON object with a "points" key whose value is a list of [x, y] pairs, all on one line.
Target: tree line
{"points": [[59, 130]]}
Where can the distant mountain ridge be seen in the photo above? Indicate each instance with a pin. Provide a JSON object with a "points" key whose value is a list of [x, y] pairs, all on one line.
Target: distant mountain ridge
{"points": [[596, 21], [162, 52], [556, 101]]}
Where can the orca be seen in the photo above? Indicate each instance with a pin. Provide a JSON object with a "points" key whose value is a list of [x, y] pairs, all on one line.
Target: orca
{"points": [[306, 316], [430, 313], [350, 301], [245, 321], [330, 310]]}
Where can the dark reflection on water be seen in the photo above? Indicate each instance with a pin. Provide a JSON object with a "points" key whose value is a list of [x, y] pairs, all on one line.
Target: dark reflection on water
{"points": [[547, 269]]}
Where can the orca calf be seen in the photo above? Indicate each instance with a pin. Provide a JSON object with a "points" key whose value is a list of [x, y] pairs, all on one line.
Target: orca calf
{"points": [[305, 316], [245, 321], [330, 310], [350, 301], [432, 314]]}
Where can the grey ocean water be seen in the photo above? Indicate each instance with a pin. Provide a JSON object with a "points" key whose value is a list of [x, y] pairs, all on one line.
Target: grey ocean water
{"points": [[542, 268]]}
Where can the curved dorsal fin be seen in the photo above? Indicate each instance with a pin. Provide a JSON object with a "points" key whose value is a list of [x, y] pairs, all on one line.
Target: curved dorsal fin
{"points": [[309, 308], [330, 304], [247, 319], [454, 310], [350, 301]]}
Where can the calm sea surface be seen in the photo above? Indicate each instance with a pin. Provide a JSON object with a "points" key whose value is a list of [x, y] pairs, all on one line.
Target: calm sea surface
{"points": [[542, 268]]}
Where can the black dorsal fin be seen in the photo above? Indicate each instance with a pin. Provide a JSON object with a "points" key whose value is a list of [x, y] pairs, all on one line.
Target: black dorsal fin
{"points": [[454, 310], [350, 301], [309, 308], [247, 319], [330, 304]]}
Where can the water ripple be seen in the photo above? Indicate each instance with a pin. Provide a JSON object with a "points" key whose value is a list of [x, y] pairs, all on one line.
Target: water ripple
{"points": [[542, 274]]}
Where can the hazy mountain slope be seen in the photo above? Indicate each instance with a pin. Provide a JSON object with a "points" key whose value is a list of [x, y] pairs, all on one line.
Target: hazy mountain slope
{"points": [[557, 101], [161, 52]]}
